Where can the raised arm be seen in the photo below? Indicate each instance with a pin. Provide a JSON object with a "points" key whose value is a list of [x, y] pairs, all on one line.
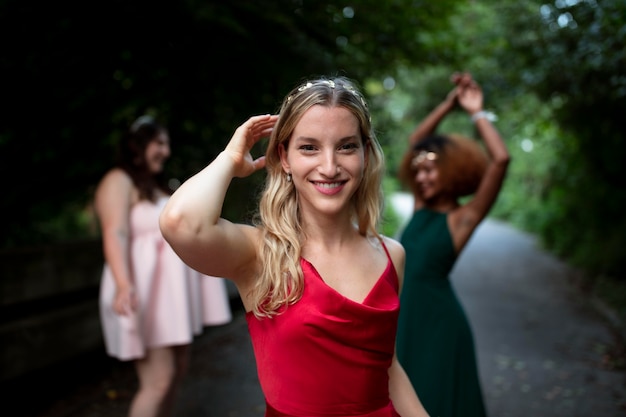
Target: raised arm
{"points": [[429, 124], [470, 98], [191, 221]]}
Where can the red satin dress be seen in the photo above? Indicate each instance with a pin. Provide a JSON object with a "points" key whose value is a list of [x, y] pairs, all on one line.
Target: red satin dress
{"points": [[327, 355]]}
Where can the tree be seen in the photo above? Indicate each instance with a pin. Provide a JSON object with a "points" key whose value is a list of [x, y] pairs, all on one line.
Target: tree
{"points": [[571, 54], [75, 74]]}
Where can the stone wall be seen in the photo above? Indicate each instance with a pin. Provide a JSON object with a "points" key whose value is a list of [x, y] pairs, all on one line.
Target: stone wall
{"points": [[48, 305]]}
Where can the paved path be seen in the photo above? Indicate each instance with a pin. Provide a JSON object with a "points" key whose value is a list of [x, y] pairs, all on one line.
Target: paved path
{"points": [[543, 349]]}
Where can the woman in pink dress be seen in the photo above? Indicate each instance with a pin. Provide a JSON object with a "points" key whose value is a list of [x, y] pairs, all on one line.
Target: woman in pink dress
{"points": [[318, 282], [151, 303]]}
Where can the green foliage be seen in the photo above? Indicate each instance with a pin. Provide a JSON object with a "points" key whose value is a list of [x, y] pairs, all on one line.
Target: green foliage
{"points": [[392, 220], [574, 58], [554, 76], [553, 73], [76, 74]]}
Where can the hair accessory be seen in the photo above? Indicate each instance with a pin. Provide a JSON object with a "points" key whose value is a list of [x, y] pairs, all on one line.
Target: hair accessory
{"points": [[141, 120], [333, 85], [423, 156], [305, 86]]}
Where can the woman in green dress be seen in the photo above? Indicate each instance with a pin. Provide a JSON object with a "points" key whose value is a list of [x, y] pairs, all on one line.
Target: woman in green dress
{"points": [[434, 340]]}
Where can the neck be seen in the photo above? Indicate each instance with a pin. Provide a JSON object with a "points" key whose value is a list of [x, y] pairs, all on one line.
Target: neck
{"points": [[441, 204]]}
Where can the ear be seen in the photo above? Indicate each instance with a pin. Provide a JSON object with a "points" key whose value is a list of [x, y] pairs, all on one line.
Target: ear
{"points": [[282, 153]]}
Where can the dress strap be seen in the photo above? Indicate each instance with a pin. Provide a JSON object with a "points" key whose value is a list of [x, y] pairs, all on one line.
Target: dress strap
{"points": [[382, 242]]}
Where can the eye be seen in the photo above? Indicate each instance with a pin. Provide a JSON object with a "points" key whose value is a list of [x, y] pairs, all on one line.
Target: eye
{"points": [[307, 148], [349, 147]]}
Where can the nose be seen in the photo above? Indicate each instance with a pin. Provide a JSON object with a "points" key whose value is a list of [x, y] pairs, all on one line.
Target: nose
{"points": [[166, 151], [329, 165]]}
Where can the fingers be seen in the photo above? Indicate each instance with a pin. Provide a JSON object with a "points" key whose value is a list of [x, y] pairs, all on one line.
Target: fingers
{"points": [[259, 163], [256, 127], [461, 79], [244, 139], [261, 125], [125, 303]]}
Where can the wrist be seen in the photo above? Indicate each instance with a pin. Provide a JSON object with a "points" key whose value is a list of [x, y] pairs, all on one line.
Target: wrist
{"points": [[482, 114]]}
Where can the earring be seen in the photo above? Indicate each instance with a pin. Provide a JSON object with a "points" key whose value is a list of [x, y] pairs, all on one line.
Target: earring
{"points": [[288, 177]]}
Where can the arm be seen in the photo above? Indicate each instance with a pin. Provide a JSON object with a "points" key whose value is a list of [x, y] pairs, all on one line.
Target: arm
{"points": [[191, 221], [402, 394], [471, 99], [428, 126], [401, 391], [113, 200]]}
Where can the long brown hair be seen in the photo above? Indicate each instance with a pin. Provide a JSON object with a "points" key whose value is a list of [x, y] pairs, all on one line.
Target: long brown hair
{"points": [[132, 157]]}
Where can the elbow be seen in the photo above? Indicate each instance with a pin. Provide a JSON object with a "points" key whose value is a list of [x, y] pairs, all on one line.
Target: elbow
{"points": [[170, 223], [502, 160], [177, 226]]}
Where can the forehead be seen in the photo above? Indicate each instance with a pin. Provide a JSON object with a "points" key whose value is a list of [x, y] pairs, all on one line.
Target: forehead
{"points": [[321, 122], [161, 137]]}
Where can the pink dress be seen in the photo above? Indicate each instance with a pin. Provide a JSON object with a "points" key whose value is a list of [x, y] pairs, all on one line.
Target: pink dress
{"points": [[327, 355], [175, 301]]}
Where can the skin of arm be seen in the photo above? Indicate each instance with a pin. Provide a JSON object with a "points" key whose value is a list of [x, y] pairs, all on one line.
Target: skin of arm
{"points": [[430, 123], [428, 126], [466, 218], [191, 221], [113, 200], [401, 391]]}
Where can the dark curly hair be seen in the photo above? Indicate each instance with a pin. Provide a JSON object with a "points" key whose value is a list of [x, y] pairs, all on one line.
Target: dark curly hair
{"points": [[461, 162]]}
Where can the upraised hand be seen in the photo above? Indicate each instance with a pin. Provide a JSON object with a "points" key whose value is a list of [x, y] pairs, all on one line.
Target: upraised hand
{"points": [[242, 141], [461, 80], [470, 97]]}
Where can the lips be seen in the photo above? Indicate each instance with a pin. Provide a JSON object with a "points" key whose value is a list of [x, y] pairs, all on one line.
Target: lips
{"points": [[329, 188]]}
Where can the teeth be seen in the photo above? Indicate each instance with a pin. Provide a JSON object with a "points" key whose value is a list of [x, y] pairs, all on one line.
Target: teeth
{"points": [[328, 185]]}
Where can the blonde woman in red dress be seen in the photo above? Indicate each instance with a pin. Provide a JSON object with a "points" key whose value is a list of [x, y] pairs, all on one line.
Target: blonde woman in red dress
{"points": [[318, 282]]}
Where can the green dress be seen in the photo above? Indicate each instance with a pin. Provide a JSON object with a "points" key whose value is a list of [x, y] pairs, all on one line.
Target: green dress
{"points": [[435, 344]]}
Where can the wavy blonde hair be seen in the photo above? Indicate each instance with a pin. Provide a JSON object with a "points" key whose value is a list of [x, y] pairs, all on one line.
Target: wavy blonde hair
{"points": [[281, 280]]}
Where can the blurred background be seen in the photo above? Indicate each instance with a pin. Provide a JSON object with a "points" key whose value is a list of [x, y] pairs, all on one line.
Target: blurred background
{"points": [[75, 74]]}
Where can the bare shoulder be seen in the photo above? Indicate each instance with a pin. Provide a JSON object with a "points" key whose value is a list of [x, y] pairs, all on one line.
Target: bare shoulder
{"points": [[393, 245], [115, 177], [396, 250], [115, 187]]}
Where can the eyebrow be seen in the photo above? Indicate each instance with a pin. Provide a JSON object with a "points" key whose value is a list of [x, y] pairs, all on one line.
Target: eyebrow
{"points": [[312, 139]]}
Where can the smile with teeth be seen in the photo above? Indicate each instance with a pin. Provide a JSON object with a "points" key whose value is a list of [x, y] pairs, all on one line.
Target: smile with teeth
{"points": [[328, 184]]}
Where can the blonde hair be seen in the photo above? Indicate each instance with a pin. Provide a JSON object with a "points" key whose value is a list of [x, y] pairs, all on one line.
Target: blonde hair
{"points": [[460, 160], [281, 280]]}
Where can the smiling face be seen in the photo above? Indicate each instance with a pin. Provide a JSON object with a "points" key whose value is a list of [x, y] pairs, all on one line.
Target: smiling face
{"points": [[326, 159], [427, 179], [157, 152]]}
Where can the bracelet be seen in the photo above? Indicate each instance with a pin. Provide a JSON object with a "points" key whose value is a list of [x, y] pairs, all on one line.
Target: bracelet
{"points": [[480, 115]]}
